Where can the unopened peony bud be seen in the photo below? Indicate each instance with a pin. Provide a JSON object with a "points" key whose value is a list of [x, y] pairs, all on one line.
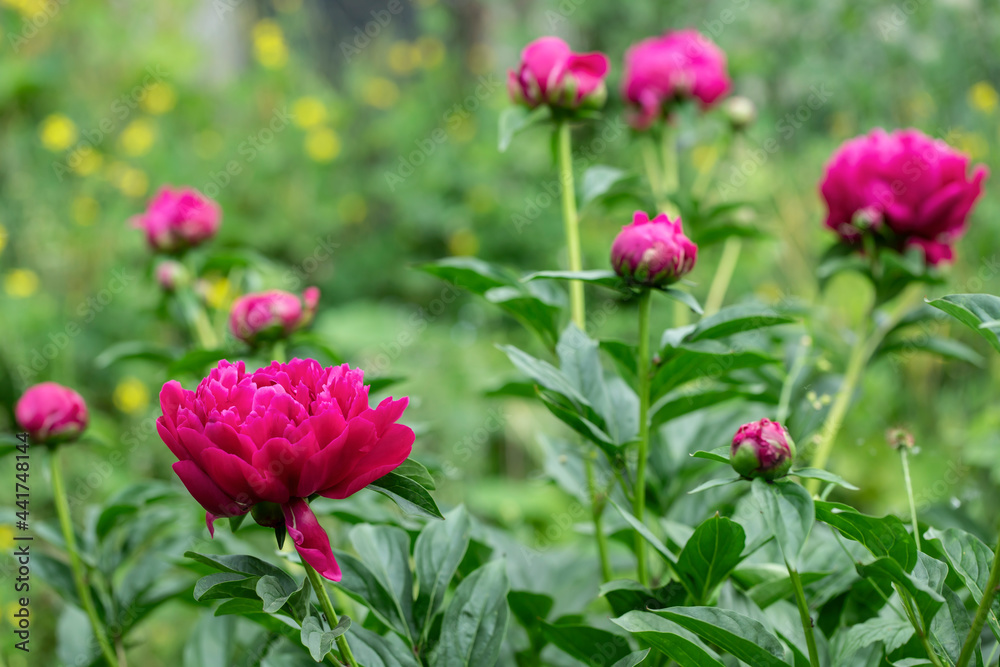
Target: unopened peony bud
{"points": [[652, 253], [550, 73], [171, 274], [762, 449], [268, 316], [52, 413], [741, 112]]}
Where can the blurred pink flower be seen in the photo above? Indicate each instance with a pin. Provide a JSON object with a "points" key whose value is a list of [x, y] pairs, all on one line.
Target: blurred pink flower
{"points": [[51, 413], [653, 253], [679, 65], [908, 189], [549, 73], [178, 219], [279, 435], [271, 315]]}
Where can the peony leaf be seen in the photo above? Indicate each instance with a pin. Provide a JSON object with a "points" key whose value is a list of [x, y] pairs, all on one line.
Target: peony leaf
{"points": [[823, 475], [971, 560], [386, 552], [475, 622], [515, 119], [372, 650], [886, 536], [598, 180], [408, 494], [438, 552], [788, 512], [734, 633], [669, 639], [591, 646], [738, 319], [973, 310], [320, 641], [709, 556]]}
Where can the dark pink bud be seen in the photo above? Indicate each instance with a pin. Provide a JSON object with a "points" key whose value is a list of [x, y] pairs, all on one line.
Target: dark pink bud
{"points": [[178, 219], [653, 253], [550, 73], [762, 449], [271, 315], [52, 413]]}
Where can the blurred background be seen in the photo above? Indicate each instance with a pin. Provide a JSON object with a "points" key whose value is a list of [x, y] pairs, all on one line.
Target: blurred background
{"points": [[348, 141]]}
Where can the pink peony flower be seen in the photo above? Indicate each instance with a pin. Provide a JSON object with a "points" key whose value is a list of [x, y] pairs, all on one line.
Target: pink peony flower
{"points": [[270, 315], [178, 219], [908, 189], [762, 449], [279, 435], [170, 274], [549, 73], [680, 65], [51, 413], [653, 253]]}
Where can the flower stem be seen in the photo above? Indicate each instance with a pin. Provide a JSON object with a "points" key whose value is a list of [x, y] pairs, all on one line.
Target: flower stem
{"points": [[807, 624], [642, 366], [346, 655], [82, 589], [597, 509], [572, 223], [861, 353], [904, 456], [723, 275], [671, 172], [985, 605]]}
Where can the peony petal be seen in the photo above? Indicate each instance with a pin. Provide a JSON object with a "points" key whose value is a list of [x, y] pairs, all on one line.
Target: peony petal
{"points": [[335, 462], [311, 541], [205, 491], [391, 450]]}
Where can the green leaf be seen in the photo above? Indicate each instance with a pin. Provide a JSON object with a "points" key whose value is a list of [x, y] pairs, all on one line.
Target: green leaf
{"points": [[738, 635], [530, 609], [709, 556], [886, 536], [222, 586], [475, 621], [209, 643], [515, 119], [713, 483], [683, 297], [889, 627], [951, 626], [971, 560], [668, 638], [196, 362], [361, 584], [624, 595], [439, 550], [591, 646], [702, 361], [602, 277], [768, 592], [885, 569], [646, 534], [788, 512], [942, 347], [720, 454], [320, 641], [470, 274], [973, 310], [133, 349], [408, 494], [740, 318], [242, 564], [538, 314], [632, 659], [385, 550], [372, 650], [417, 472], [689, 399], [597, 181], [823, 475]]}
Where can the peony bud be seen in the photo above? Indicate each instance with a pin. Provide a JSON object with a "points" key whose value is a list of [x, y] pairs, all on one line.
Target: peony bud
{"points": [[652, 253], [741, 112], [52, 413], [268, 316], [171, 274], [549, 73], [178, 219], [898, 438], [762, 449]]}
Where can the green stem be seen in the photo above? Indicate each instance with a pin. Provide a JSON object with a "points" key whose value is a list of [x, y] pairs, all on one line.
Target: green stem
{"points": [[642, 366], [597, 509], [985, 605], [807, 623], [346, 655], [915, 622], [572, 223], [723, 275], [671, 172], [82, 589], [785, 400], [909, 494], [861, 353]]}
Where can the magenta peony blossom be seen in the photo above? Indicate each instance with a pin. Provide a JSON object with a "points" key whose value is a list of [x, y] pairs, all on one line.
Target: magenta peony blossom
{"points": [[762, 449], [51, 413], [906, 188], [179, 219], [279, 435], [680, 65], [271, 315], [549, 73], [653, 253]]}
